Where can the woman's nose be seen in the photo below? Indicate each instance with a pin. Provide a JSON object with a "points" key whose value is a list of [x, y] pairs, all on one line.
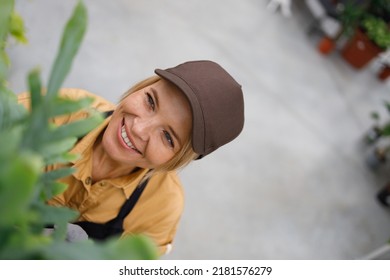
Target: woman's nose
{"points": [[142, 128]]}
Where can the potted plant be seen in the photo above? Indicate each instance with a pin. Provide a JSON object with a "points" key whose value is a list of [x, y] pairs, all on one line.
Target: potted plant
{"points": [[366, 26], [379, 33], [377, 30], [371, 37], [347, 14]]}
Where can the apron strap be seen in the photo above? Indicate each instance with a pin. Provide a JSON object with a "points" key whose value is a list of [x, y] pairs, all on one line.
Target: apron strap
{"points": [[130, 203]]}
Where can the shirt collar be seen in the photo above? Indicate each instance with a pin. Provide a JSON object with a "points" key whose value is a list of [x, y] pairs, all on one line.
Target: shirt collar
{"points": [[86, 142], [129, 182]]}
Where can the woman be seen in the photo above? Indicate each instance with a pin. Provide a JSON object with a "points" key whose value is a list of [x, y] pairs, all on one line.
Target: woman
{"points": [[160, 125]]}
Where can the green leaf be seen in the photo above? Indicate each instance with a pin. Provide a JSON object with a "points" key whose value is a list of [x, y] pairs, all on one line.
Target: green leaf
{"points": [[58, 188], [20, 245], [78, 128], [61, 158], [35, 89], [375, 115], [70, 42], [66, 106], [53, 215], [10, 111], [386, 130], [136, 247], [54, 188], [377, 30], [83, 250], [57, 146], [4, 64], [17, 29], [6, 7], [20, 174], [57, 174], [12, 137]]}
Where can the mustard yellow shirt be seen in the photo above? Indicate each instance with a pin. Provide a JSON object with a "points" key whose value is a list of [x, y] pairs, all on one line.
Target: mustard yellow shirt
{"points": [[158, 210]]}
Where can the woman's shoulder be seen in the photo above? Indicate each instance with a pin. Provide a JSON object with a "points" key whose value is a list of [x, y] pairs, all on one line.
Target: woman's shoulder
{"points": [[168, 183], [99, 102]]}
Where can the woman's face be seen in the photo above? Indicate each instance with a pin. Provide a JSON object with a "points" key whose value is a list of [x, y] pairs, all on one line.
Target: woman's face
{"points": [[149, 126]]}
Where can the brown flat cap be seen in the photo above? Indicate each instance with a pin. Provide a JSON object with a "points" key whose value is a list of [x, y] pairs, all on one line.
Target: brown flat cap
{"points": [[216, 100]]}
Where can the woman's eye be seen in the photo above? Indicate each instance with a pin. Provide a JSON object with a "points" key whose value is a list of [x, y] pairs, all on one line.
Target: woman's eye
{"points": [[151, 101], [169, 139]]}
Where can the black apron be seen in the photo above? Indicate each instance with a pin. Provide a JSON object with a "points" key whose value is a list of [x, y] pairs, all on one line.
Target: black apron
{"points": [[115, 226]]}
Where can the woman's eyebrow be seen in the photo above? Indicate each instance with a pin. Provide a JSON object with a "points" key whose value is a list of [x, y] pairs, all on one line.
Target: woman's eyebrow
{"points": [[155, 96]]}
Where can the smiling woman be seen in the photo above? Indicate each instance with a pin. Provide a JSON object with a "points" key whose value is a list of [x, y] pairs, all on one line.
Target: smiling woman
{"points": [[125, 181]]}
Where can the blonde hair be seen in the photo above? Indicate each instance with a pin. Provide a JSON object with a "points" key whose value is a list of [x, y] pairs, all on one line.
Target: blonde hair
{"points": [[185, 155]]}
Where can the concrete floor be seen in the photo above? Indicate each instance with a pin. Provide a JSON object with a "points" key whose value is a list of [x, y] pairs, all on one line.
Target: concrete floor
{"points": [[294, 185]]}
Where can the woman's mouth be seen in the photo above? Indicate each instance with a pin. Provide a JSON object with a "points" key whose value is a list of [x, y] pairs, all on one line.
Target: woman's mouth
{"points": [[126, 139]]}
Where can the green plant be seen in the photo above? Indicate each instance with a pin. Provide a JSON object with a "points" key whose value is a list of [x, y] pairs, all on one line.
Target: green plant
{"points": [[378, 129], [377, 30], [370, 16], [350, 16], [12, 24], [29, 143]]}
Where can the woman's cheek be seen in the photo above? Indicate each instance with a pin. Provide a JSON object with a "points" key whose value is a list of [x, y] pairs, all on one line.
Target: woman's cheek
{"points": [[160, 155]]}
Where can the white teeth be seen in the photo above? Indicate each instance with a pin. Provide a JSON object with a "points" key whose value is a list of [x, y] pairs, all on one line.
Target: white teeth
{"points": [[126, 138]]}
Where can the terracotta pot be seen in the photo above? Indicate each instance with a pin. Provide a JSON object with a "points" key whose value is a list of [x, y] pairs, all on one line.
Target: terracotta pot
{"points": [[360, 50], [326, 45], [384, 73]]}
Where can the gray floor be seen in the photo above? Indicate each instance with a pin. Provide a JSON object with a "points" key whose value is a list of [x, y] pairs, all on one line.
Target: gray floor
{"points": [[295, 184]]}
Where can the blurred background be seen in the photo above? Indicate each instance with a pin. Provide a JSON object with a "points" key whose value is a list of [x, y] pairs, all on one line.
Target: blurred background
{"points": [[301, 181]]}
